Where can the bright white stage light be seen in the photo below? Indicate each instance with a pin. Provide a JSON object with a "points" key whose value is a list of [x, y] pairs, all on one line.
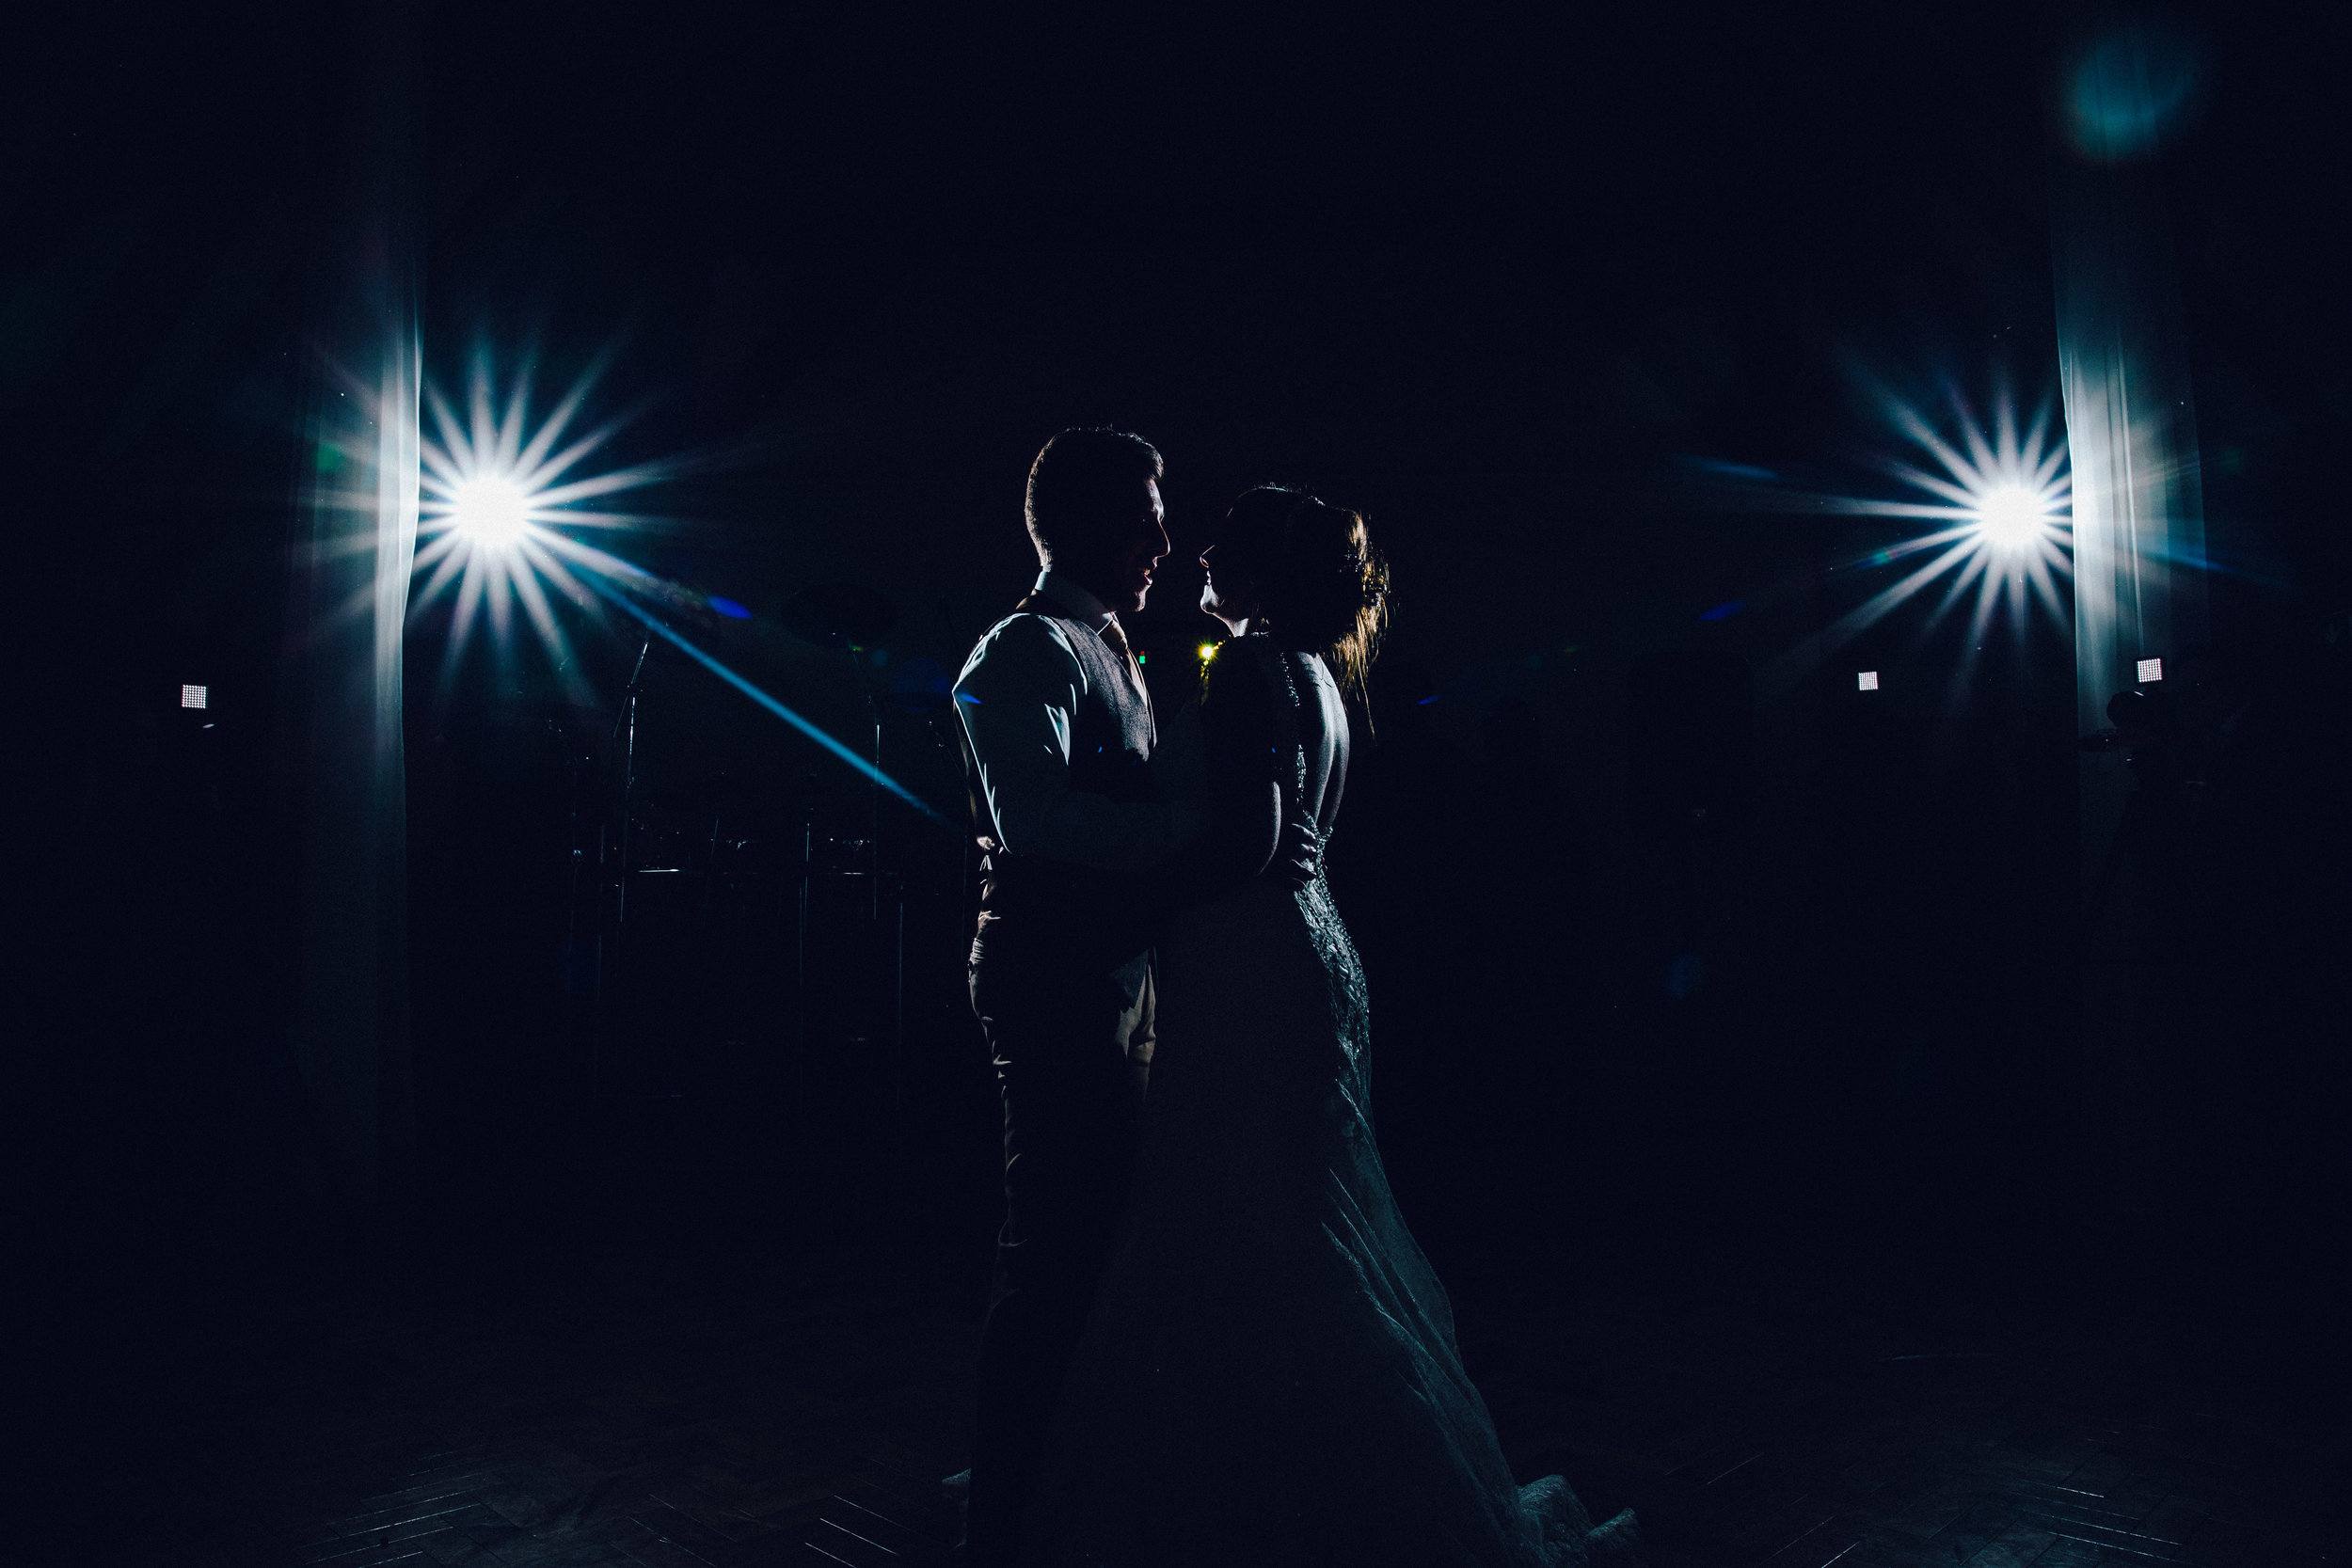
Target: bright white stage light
{"points": [[490, 510], [2012, 516], [1996, 504], [1865, 680], [499, 513], [499, 502]]}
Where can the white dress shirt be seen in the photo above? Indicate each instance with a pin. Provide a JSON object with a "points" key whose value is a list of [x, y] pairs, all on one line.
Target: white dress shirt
{"points": [[1018, 697]]}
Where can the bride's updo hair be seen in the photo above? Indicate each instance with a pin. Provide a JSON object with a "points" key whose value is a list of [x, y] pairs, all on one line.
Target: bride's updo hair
{"points": [[1322, 587]]}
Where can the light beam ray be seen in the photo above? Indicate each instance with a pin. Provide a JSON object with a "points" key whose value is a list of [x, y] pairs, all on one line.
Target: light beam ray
{"points": [[863, 766], [446, 563], [493, 537]]}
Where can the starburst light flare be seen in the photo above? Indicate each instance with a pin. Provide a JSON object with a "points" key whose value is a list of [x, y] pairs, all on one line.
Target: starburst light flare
{"points": [[500, 502], [494, 492], [2012, 516], [1995, 507], [490, 511]]}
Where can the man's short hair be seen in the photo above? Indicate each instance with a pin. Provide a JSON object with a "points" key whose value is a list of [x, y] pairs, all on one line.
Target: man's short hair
{"points": [[1086, 489]]}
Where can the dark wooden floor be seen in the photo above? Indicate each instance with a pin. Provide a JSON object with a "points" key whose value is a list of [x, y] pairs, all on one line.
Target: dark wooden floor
{"points": [[733, 1400]]}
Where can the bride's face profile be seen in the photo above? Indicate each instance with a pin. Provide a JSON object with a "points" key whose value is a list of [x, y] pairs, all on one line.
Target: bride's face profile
{"points": [[1232, 598]]}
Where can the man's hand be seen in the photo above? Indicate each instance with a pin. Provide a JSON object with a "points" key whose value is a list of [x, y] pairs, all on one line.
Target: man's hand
{"points": [[1298, 857]]}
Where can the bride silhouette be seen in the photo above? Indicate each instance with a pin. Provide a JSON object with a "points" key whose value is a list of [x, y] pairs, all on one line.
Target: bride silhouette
{"points": [[1270, 1374]]}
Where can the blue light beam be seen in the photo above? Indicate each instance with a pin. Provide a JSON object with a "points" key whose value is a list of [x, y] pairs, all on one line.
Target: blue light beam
{"points": [[497, 498], [861, 766]]}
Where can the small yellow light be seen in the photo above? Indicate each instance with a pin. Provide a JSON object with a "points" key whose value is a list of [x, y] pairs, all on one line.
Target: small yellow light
{"points": [[1208, 652]]}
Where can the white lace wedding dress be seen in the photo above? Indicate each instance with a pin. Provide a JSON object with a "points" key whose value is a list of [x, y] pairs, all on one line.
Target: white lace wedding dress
{"points": [[1270, 1375]]}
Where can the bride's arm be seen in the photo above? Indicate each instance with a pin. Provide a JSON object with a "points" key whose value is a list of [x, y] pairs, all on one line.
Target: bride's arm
{"points": [[1242, 805]]}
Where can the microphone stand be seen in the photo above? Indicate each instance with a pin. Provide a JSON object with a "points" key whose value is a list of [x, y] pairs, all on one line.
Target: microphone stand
{"points": [[627, 716], [624, 720]]}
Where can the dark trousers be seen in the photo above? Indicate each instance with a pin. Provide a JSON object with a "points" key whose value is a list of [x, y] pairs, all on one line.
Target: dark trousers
{"points": [[1073, 1100]]}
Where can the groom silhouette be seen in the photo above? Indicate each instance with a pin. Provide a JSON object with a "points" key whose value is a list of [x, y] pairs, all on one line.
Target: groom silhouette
{"points": [[1078, 851], [1059, 734]]}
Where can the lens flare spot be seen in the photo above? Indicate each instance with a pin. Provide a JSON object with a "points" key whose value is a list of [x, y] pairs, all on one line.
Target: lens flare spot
{"points": [[2132, 89]]}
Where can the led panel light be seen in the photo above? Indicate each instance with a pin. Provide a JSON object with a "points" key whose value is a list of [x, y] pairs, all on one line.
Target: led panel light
{"points": [[2151, 669], [1867, 680], [194, 696]]}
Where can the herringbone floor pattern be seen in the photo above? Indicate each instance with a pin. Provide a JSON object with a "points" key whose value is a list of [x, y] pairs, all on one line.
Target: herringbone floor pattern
{"points": [[726, 1409]]}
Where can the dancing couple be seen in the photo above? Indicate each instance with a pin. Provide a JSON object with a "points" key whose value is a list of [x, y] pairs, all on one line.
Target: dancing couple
{"points": [[1211, 1339]]}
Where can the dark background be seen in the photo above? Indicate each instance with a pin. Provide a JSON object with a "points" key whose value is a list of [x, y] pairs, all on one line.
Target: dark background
{"points": [[1506, 285]]}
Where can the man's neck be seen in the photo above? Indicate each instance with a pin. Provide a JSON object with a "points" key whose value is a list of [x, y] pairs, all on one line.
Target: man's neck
{"points": [[1082, 602]]}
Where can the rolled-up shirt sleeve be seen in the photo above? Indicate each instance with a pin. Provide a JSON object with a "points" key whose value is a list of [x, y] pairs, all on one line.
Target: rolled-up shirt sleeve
{"points": [[1017, 697]]}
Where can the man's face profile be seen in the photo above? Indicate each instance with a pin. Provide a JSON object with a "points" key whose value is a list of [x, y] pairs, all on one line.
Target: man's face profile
{"points": [[1128, 578]]}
